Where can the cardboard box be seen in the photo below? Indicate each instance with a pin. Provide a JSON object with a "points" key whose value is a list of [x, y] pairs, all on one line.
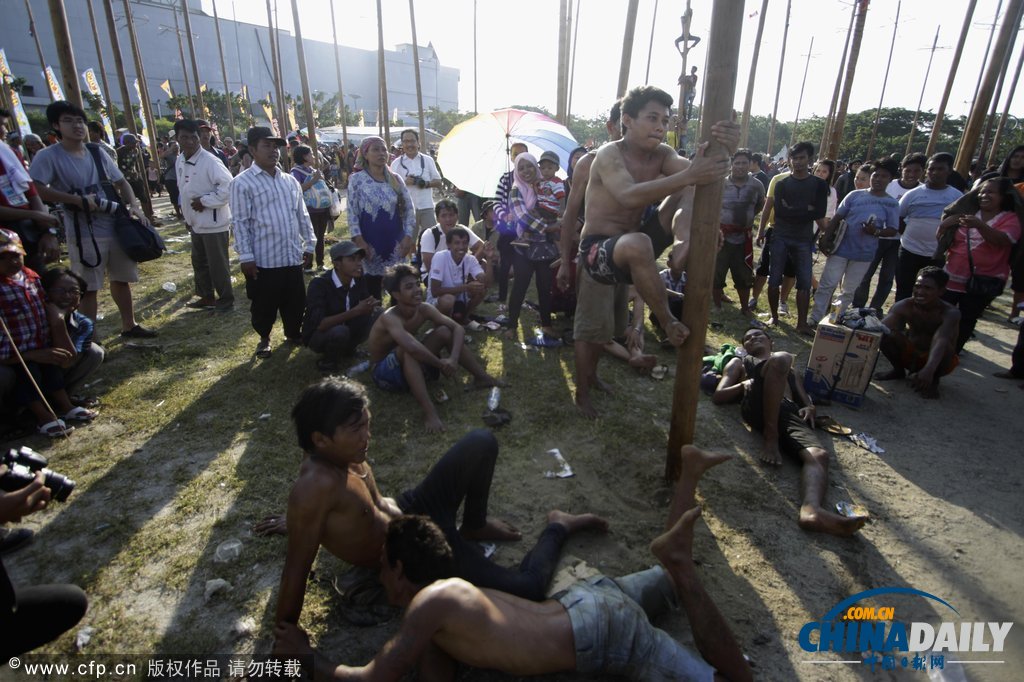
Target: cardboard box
{"points": [[841, 364]]}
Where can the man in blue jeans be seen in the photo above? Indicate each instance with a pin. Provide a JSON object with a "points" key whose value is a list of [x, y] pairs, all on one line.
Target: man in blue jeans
{"points": [[335, 502], [596, 627], [799, 201]]}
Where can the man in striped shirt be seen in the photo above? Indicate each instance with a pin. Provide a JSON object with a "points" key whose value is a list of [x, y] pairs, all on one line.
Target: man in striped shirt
{"points": [[274, 239]]}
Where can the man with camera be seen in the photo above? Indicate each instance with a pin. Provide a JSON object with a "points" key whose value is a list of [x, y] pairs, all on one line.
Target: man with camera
{"points": [[31, 616], [421, 175], [68, 173]]}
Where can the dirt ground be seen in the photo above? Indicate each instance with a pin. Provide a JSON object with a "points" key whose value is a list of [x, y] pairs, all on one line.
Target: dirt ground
{"points": [[158, 493]]}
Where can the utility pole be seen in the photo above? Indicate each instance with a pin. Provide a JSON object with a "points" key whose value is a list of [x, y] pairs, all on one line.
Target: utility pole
{"points": [[851, 70], [924, 84], [749, 101], [35, 37], [627, 47], [341, 89], [145, 102], [572, 61], [304, 79], [800, 101], [68, 68], [979, 109], [475, 110], [723, 56], [224, 70], [778, 85], [562, 71], [122, 79], [416, 64], [107, 94], [383, 78], [830, 119], [192, 55], [933, 139], [184, 69], [567, 56], [885, 81]]}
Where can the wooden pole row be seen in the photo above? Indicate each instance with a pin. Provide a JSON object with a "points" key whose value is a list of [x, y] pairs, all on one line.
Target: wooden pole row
{"points": [[933, 139], [851, 70], [830, 119], [885, 81], [749, 100], [778, 85]]}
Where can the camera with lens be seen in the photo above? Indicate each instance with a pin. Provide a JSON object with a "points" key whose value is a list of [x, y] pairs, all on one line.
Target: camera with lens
{"points": [[22, 466], [420, 182], [107, 206]]}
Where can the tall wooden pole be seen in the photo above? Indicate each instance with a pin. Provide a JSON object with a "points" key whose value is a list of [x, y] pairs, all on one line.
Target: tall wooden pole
{"points": [[650, 43], [383, 77], [474, 58], [885, 81], [924, 84], [275, 68], [778, 85], [304, 79], [416, 66], [683, 119], [35, 37], [851, 70], [184, 69], [107, 94], [341, 88], [979, 109], [627, 47], [827, 132], [224, 71], [68, 68], [988, 49], [572, 61], [991, 118], [567, 52], [122, 79], [192, 56], [933, 139], [723, 58], [749, 100], [143, 88], [993, 158], [562, 70], [800, 101]]}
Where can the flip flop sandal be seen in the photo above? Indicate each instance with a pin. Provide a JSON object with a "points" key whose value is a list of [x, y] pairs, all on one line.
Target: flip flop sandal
{"points": [[56, 429], [80, 415], [88, 402], [263, 352], [832, 426]]}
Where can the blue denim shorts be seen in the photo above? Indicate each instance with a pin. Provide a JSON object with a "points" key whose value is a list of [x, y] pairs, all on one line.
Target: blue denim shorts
{"points": [[797, 249], [613, 633]]}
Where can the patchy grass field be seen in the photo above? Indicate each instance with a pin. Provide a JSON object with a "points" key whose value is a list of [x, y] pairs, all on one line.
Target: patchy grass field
{"points": [[194, 444]]}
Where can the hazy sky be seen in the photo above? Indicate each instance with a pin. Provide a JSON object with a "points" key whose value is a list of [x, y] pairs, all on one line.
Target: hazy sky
{"points": [[517, 48]]}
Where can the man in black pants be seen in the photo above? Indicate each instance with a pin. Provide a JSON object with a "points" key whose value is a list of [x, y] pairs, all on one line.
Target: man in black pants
{"points": [[335, 502], [33, 616]]}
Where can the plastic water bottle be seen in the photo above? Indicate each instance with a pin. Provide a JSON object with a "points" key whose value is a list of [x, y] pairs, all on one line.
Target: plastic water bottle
{"points": [[170, 287], [493, 399], [358, 368]]}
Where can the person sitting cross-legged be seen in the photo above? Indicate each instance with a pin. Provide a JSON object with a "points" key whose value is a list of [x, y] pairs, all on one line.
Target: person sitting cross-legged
{"points": [[402, 362], [458, 281], [339, 307], [600, 626], [759, 382]]}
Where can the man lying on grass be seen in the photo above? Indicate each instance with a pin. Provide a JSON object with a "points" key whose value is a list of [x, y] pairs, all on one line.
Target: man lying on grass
{"points": [[600, 626], [335, 502]]}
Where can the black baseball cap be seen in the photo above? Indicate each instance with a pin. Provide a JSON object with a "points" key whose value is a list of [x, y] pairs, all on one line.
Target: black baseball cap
{"points": [[257, 133]]}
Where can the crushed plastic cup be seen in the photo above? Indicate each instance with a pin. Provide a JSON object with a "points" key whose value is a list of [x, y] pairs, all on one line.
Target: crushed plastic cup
{"points": [[493, 399], [170, 287], [227, 551]]}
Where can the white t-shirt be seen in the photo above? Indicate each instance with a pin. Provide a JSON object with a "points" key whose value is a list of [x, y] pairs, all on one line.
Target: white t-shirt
{"points": [[420, 166], [921, 210], [445, 270], [428, 245]]}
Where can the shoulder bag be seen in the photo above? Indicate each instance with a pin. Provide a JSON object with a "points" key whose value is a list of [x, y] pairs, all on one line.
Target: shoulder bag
{"points": [[139, 241]]}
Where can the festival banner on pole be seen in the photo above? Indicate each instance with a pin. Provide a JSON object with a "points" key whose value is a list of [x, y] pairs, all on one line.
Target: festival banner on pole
{"points": [[269, 111], [51, 79], [166, 87], [291, 117], [93, 86], [141, 115], [5, 70], [19, 109]]}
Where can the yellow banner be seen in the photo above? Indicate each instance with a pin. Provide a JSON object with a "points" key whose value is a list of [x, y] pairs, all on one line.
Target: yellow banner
{"points": [[93, 86], [5, 70], [245, 92], [291, 117], [202, 87], [51, 79], [142, 115], [269, 111], [166, 87], [19, 112]]}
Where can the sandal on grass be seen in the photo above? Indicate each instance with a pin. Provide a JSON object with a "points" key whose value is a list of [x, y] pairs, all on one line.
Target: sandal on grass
{"points": [[832, 426], [263, 351], [80, 415], [56, 429], [85, 401]]}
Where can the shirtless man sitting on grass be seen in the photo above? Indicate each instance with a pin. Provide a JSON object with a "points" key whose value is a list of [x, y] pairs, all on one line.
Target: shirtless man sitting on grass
{"points": [[759, 382], [598, 626], [335, 502], [922, 334], [626, 177], [401, 362]]}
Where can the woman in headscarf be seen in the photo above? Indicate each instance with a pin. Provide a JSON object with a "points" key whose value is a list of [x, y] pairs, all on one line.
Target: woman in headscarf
{"points": [[381, 215], [534, 248]]}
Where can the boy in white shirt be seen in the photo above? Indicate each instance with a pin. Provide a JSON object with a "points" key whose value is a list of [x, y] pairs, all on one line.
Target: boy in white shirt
{"points": [[458, 281]]}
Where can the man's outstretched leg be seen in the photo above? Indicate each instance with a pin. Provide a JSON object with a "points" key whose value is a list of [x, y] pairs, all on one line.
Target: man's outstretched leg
{"points": [[634, 254], [587, 355], [776, 375], [813, 480]]}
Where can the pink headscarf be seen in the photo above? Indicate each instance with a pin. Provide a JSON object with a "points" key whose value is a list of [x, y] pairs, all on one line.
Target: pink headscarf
{"points": [[526, 189], [393, 180]]}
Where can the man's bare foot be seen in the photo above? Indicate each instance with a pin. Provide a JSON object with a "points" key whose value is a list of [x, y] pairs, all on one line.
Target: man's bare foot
{"points": [[696, 461], [577, 522], [642, 362], [584, 406], [674, 547], [493, 529], [676, 332], [821, 521], [805, 329], [433, 424], [271, 525], [770, 455], [891, 375]]}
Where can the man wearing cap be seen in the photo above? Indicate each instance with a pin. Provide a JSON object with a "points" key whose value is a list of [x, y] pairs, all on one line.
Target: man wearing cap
{"points": [[206, 140], [203, 190], [421, 176], [339, 307], [274, 239]]}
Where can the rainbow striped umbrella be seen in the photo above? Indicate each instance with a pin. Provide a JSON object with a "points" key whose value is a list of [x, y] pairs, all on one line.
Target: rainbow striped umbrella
{"points": [[474, 155]]}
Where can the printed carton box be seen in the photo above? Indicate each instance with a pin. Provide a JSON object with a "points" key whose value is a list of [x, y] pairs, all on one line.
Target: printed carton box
{"points": [[841, 363]]}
